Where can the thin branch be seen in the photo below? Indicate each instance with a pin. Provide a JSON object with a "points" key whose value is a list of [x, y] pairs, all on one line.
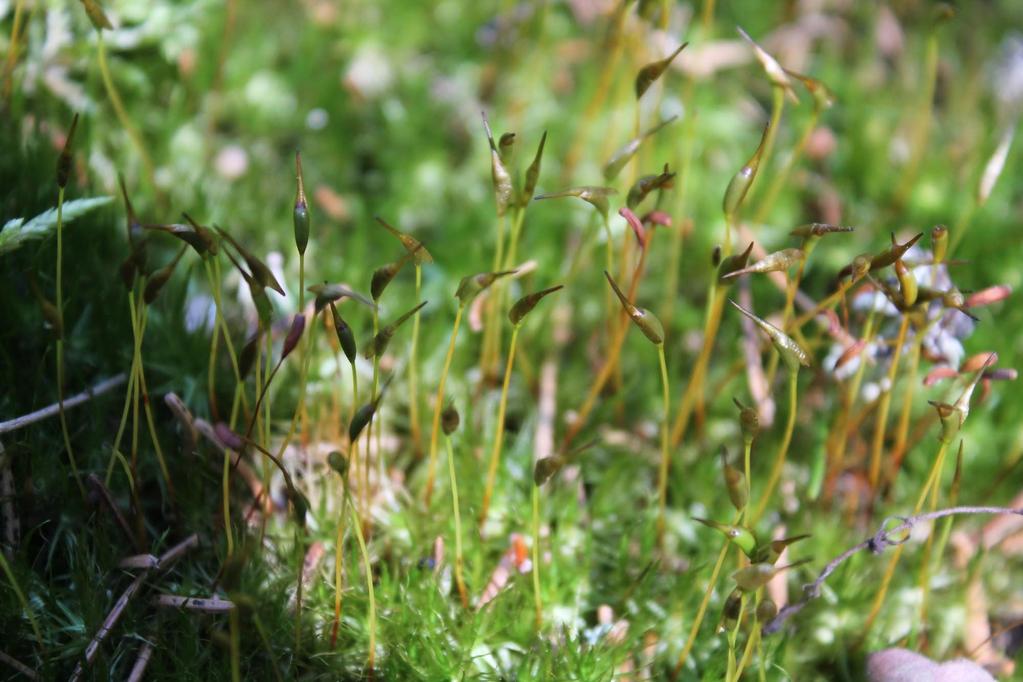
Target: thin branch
{"points": [[884, 538], [166, 559], [54, 409], [138, 670], [19, 666]]}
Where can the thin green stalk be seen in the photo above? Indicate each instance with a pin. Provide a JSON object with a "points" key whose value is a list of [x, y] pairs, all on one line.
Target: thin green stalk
{"points": [[662, 474], [783, 448], [882, 409], [751, 640], [213, 277], [781, 177], [694, 629], [225, 483], [495, 454], [372, 610], [339, 548], [60, 344], [733, 635], [122, 113], [413, 371], [294, 417], [376, 421], [29, 613], [777, 107], [141, 386], [537, 601], [438, 406], [235, 639], [694, 390], [462, 593], [922, 125]]}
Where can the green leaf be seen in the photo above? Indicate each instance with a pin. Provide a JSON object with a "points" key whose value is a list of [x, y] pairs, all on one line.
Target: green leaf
{"points": [[16, 231]]}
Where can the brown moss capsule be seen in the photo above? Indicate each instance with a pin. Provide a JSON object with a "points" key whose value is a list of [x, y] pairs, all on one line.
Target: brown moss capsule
{"points": [[364, 414], [97, 17], [471, 286], [301, 211], [247, 357], [338, 462], [378, 345], [449, 420], [160, 278], [733, 263], [294, 335], [907, 283], [345, 337], [647, 184], [766, 610], [779, 260], [791, 353], [545, 468], [385, 274], [533, 173], [740, 183], [735, 482], [594, 195], [810, 230], [621, 158], [260, 271], [823, 98], [419, 253], [775, 73], [770, 552], [64, 160], [651, 72], [643, 318], [525, 305], [732, 610], [328, 293], [749, 422], [500, 176], [894, 253]]}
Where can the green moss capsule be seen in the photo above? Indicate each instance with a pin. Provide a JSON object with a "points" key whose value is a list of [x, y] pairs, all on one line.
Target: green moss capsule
{"points": [[624, 154], [338, 462], [735, 482], [907, 284], [420, 255], [939, 243], [501, 178], [647, 184], [774, 262], [260, 271], [742, 537], [156, 281], [594, 195], [545, 468], [301, 212], [749, 422], [733, 263], [740, 183]]}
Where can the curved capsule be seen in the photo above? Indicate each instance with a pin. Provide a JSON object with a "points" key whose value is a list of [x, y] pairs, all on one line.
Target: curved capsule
{"points": [[501, 178], [595, 195], [327, 293], [419, 253], [294, 335], [547, 467], [532, 173], [775, 73], [647, 184], [773, 262], [818, 230], [742, 537], [652, 71], [345, 336], [892, 254], [740, 183], [385, 274], [160, 278], [644, 319], [753, 577], [749, 421], [525, 305], [621, 158], [449, 420], [733, 263], [790, 351], [64, 160], [378, 344], [260, 271], [471, 286]]}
